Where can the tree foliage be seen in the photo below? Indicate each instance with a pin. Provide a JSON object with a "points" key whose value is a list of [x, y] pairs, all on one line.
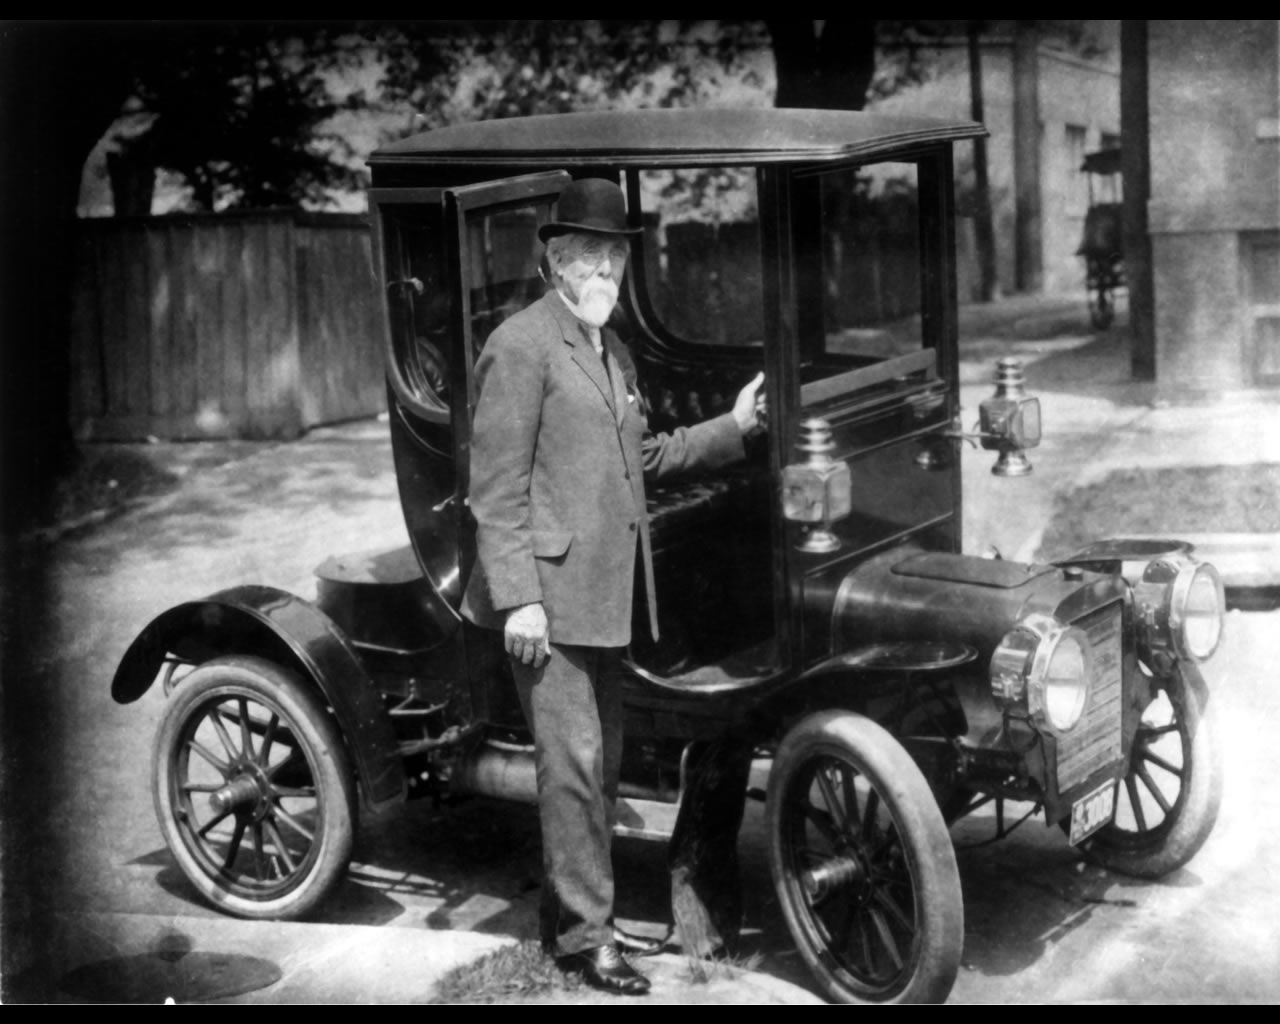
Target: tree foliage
{"points": [[240, 112]]}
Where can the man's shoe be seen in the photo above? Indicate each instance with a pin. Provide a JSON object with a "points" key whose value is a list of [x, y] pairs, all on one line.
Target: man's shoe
{"points": [[604, 968], [636, 945]]}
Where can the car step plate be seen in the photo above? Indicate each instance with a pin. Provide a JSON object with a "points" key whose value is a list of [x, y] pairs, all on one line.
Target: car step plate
{"points": [[1092, 811]]}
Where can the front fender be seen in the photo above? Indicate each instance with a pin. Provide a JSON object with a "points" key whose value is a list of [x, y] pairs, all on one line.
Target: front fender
{"points": [[286, 629]]}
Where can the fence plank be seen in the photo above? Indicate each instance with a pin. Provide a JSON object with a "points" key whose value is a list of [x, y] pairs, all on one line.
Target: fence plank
{"points": [[231, 325], [184, 384], [203, 317], [137, 328], [237, 399], [88, 371], [159, 329]]}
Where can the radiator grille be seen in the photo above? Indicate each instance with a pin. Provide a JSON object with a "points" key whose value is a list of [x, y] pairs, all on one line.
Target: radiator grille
{"points": [[1095, 742]]}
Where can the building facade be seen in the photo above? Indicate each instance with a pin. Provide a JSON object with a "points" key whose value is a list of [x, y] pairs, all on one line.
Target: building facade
{"points": [[1213, 100]]}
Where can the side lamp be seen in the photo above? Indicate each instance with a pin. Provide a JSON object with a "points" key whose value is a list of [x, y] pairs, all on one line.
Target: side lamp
{"points": [[818, 490], [1008, 421]]}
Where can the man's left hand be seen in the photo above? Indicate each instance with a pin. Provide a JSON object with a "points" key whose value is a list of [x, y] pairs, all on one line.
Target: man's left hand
{"points": [[749, 408]]}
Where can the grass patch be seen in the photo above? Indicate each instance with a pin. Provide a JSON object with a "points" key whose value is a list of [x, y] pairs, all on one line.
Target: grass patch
{"points": [[723, 967], [1166, 502], [518, 971]]}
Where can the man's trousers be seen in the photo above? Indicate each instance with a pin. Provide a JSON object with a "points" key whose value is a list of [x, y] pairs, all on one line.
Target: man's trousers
{"points": [[573, 706]]}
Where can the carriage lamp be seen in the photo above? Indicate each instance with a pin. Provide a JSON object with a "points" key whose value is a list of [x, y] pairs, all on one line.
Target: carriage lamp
{"points": [[1009, 421], [818, 490]]}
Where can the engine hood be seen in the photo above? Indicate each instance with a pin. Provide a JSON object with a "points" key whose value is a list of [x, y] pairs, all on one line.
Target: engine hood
{"points": [[923, 596]]}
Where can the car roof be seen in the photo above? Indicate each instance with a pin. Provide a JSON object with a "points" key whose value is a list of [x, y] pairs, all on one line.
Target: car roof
{"points": [[675, 137]]}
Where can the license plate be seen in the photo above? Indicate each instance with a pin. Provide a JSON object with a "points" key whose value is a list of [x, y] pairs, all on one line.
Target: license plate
{"points": [[1092, 811]]}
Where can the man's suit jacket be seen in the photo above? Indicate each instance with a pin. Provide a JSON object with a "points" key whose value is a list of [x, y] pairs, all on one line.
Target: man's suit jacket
{"points": [[560, 453]]}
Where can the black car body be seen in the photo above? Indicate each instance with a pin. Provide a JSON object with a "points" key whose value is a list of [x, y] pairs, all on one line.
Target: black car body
{"points": [[817, 606]]}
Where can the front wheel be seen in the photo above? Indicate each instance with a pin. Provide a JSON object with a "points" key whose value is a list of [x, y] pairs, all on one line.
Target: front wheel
{"points": [[253, 789], [1168, 802], [863, 864]]}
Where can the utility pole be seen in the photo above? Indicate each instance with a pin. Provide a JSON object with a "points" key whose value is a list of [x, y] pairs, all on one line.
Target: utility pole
{"points": [[1028, 243], [1135, 166], [984, 229]]}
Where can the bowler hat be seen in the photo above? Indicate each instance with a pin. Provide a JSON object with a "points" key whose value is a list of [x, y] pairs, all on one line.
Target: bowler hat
{"points": [[589, 204]]}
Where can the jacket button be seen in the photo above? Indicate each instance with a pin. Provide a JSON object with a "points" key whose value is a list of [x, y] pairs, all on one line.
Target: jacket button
{"points": [[632, 527], [626, 476]]}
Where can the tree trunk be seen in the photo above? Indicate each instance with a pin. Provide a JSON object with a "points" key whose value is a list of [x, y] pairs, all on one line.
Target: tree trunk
{"points": [[72, 79], [133, 180], [1135, 163], [984, 229], [823, 65], [1028, 241]]}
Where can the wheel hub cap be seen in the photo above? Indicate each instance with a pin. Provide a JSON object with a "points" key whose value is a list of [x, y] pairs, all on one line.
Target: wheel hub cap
{"points": [[838, 873], [244, 794]]}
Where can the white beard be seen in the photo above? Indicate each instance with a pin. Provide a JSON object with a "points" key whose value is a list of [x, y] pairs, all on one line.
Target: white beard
{"points": [[595, 303]]}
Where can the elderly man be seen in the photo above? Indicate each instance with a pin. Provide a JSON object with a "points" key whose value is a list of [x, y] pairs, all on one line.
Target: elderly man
{"points": [[560, 452]]}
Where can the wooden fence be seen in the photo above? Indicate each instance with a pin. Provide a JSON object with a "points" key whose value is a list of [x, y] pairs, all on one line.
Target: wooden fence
{"points": [[255, 325]]}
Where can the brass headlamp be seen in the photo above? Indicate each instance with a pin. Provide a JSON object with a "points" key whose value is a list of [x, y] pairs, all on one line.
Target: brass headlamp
{"points": [[1181, 605]]}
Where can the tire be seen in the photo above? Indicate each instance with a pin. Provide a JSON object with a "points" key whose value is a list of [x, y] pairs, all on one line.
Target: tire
{"points": [[253, 789], [1174, 782], [875, 909]]}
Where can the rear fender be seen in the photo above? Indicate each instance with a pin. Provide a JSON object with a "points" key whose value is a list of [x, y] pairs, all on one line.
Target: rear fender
{"points": [[276, 625]]}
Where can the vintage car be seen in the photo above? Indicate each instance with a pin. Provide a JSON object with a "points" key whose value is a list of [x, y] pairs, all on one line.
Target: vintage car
{"points": [[818, 609]]}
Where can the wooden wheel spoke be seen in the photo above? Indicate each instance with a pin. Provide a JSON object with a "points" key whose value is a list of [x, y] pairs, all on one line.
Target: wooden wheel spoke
{"points": [[233, 847], [202, 787], [1170, 767], [869, 816], [822, 821], [1131, 787], [246, 737], [864, 939], [227, 744], [273, 769], [260, 866], [1149, 733], [851, 799], [296, 792], [268, 738], [282, 850], [885, 933], [208, 755], [1150, 783], [832, 799], [294, 823], [211, 823], [885, 899]]}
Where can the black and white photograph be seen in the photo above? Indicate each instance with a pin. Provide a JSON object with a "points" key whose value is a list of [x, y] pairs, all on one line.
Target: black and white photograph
{"points": [[639, 512]]}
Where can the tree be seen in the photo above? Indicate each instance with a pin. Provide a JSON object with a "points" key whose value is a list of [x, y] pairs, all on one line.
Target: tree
{"points": [[240, 112], [825, 65], [64, 82]]}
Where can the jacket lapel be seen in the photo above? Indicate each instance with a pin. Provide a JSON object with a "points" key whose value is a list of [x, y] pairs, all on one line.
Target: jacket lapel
{"points": [[584, 354], [615, 377]]}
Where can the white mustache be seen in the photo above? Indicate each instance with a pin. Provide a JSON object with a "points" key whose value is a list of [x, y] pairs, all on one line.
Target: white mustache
{"points": [[600, 286]]}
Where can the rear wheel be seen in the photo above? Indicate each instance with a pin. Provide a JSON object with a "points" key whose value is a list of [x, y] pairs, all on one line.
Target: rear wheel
{"points": [[253, 789], [863, 864], [1167, 803]]}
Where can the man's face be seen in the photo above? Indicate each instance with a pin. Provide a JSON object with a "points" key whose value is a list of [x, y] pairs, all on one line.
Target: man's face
{"points": [[591, 269]]}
